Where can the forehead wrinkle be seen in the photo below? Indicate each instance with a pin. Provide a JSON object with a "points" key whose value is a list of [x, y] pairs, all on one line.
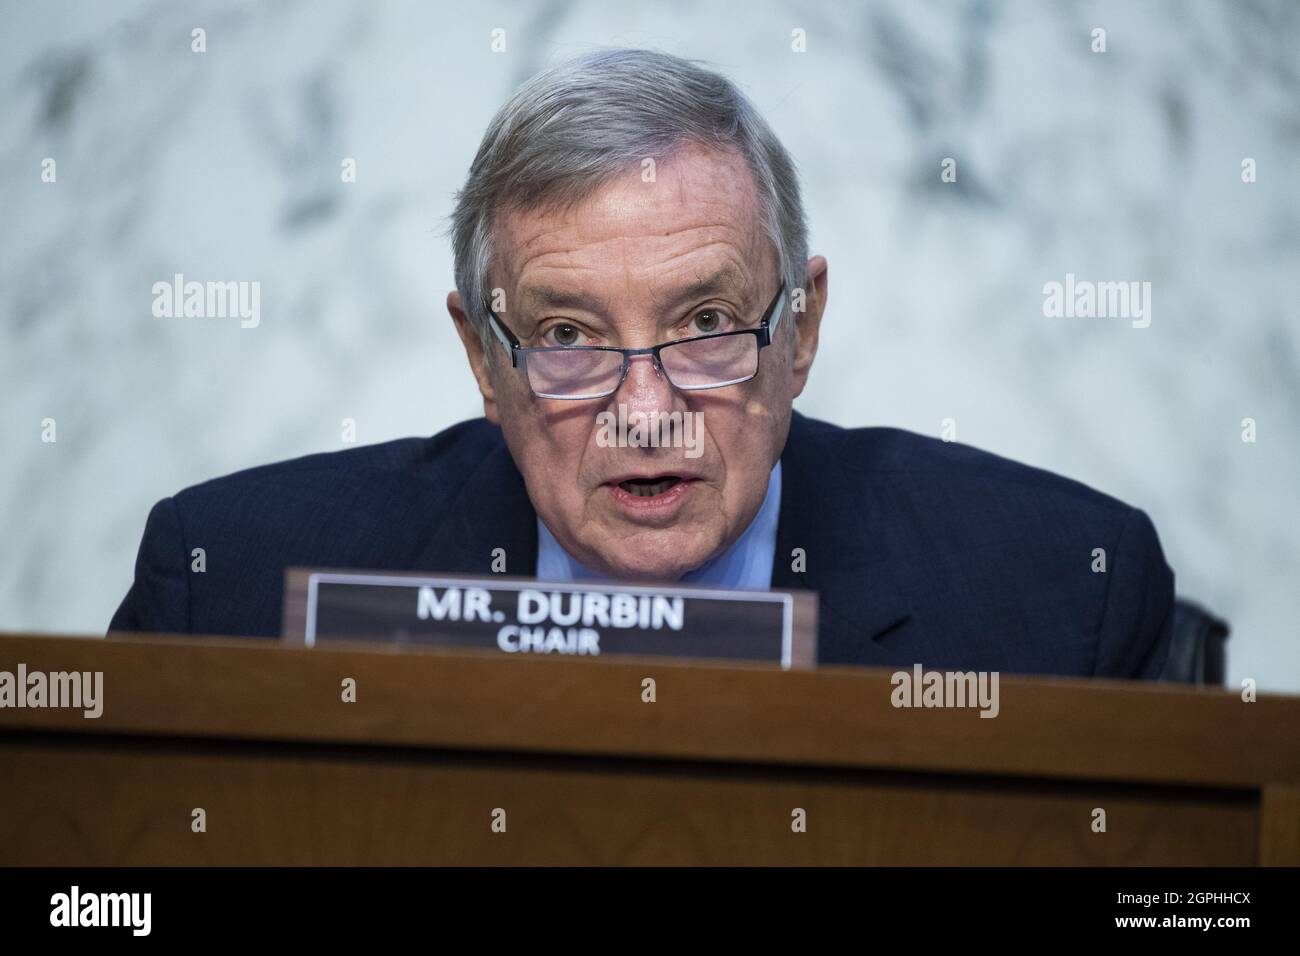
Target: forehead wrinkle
{"points": [[652, 250], [637, 238], [729, 202]]}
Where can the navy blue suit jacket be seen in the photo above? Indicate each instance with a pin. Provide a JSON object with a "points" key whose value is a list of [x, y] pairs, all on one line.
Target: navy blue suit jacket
{"points": [[922, 551]]}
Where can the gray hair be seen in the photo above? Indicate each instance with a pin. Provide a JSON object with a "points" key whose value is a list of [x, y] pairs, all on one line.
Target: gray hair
{"points": [[573, 128]]}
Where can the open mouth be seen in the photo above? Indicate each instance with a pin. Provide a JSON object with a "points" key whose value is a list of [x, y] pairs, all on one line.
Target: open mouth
{"points": [[649, 487]]}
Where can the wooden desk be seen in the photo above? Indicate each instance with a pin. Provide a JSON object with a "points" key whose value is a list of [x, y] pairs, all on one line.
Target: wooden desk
{"points": [[257, 735]]}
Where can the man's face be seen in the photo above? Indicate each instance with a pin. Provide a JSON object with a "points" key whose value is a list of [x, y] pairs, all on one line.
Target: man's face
{"points": [[617, 270]]}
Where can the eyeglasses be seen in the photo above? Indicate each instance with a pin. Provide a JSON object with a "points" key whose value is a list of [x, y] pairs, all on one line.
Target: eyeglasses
{"points": [[596, 371]]}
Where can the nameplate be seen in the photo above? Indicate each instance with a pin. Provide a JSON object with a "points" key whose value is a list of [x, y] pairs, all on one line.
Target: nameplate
{"points": [[518, 616]]}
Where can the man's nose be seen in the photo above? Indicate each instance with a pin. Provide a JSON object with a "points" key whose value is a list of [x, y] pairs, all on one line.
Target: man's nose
{"points": [[646, 388]]}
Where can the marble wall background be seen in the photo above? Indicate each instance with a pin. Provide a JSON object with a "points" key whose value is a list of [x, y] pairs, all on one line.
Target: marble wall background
{"points": [[1123, 165]]}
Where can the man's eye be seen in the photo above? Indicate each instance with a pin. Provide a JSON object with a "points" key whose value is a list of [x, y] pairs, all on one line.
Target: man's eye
{"points": [[563, 335], [708, 321]]}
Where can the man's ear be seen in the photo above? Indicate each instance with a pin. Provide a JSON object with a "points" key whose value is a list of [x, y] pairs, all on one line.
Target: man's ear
{"points": [[808, 323], [478, 360]]}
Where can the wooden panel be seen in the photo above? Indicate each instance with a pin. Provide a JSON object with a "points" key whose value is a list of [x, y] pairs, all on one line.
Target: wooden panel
{"points": [[1279, 825], [835, 717], [108, 801]]}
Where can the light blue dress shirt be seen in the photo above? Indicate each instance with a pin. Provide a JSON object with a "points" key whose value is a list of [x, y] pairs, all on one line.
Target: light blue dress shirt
{"points": [[746, 564]]}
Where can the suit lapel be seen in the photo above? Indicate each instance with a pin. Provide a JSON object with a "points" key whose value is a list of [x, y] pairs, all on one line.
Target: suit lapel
{"points": [[491, 511], [828, 512]]}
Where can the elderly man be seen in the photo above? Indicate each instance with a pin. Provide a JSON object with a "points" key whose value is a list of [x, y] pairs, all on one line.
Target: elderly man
{"points": [[630, 247]]}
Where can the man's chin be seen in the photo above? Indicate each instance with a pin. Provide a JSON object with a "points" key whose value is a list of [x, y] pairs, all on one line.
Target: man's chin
{"points": [[657, 564]]}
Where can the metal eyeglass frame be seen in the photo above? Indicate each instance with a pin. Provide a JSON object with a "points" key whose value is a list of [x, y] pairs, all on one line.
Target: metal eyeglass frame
{"points": [[519, 354]]}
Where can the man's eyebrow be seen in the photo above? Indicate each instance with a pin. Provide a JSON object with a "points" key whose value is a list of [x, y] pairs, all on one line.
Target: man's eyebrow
{"points": [[549, 297], [724, 280]]}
